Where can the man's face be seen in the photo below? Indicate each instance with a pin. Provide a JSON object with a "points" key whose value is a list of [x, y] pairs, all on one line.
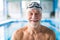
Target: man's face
{"points": [[34, 16]]}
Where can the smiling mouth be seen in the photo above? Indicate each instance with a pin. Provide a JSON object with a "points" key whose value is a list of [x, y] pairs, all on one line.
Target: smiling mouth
{"points": [[34, 20]]}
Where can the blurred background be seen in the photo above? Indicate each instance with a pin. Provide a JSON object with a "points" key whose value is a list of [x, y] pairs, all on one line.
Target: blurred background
{"points": [[13, 17]]}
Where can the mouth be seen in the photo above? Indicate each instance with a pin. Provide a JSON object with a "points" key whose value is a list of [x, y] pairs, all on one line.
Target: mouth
{"points": [[34, 20]]}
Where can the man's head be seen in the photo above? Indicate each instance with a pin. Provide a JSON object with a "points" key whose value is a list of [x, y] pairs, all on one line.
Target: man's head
{"points": [[34, 12]]}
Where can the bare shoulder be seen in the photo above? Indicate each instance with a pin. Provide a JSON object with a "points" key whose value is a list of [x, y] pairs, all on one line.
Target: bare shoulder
{"points": [[49, 32], [46, 29], [18, 34], [20, 31]]}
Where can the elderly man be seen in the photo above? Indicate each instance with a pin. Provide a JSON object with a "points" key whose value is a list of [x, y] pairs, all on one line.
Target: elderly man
{"points": [[34, 30]]}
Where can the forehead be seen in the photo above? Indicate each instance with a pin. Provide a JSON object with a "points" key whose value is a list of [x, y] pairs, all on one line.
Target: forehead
{"points": [[34, 10]]}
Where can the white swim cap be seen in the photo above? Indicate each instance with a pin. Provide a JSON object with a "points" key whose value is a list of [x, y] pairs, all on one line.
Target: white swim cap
{"points": [[34, 5]]}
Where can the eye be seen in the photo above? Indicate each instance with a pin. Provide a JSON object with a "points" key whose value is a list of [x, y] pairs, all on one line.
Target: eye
{"points": [[31, 13], [36, 13]]}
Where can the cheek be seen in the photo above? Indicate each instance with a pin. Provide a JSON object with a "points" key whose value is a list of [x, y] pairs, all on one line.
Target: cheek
{"points": [[29, 17], [39, 17]]}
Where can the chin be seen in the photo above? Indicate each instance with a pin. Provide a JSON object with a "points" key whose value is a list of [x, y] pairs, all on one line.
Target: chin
{"points": [[34, 24]]}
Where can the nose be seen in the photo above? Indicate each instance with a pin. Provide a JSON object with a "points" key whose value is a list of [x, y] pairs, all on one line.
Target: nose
{"points": [[33, 16]]}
